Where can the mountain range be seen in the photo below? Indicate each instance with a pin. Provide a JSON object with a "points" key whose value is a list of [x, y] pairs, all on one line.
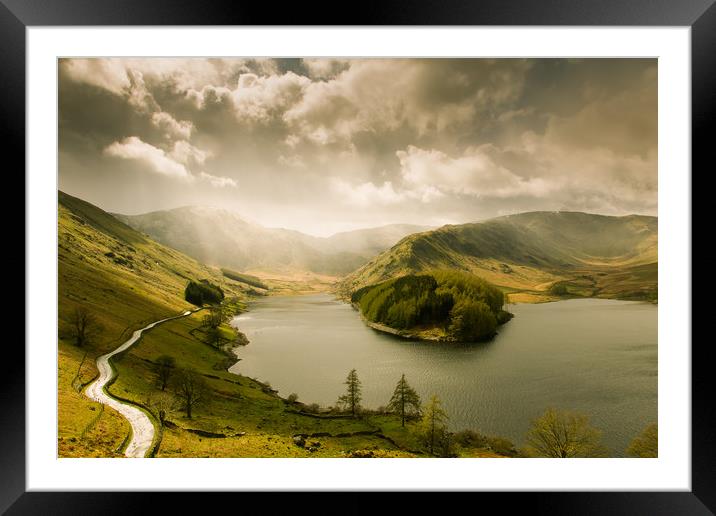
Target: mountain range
{"points": [[533, 254], [222, 238]]}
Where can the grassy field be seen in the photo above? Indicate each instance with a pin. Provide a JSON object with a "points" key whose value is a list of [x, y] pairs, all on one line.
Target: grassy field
{"points": [[85, 429], [290, 282]]}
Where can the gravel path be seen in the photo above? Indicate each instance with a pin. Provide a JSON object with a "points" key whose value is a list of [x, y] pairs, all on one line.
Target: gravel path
{"points": [[142, 427]]}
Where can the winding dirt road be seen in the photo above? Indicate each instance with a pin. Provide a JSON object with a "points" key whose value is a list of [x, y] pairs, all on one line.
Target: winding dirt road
{"points": [[142, 427]]}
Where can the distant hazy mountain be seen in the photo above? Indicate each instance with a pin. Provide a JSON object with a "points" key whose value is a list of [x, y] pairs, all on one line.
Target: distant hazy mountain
{"points": [[368, 242], [220, 237], [590, 255]]}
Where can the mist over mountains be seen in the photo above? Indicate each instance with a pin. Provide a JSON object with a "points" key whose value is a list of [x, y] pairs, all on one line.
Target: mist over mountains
{"points": [[532, 253], [220, 237]]}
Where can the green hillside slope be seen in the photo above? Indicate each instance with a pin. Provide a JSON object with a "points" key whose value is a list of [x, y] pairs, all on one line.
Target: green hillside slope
{"points": [[125, 280], [531, 254]]}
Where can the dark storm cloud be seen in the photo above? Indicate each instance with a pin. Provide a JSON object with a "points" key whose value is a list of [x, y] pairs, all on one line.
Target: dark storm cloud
{"points": [[330, 144]]}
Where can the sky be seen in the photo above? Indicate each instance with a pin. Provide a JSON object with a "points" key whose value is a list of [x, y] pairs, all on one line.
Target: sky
{"points": [[328, 145]]}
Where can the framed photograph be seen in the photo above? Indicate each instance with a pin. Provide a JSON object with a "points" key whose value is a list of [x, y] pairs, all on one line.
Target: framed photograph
{"points": [[413, 251]]}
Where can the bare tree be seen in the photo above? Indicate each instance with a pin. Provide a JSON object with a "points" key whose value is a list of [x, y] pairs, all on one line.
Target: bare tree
{"points": [[564, 434], [84, 326], [214, 337], [164, 367], [189, 388], [162, 404], [214, 318]]}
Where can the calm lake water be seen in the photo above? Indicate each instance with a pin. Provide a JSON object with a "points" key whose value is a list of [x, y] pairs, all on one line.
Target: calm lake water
{"points": [[592, 355]]}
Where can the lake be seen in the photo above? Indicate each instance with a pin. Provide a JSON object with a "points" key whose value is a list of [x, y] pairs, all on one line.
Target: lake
{"points": [[595, 356]]}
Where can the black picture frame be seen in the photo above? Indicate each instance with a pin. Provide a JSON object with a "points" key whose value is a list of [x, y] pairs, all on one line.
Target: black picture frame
{"points": [[17, 15]]}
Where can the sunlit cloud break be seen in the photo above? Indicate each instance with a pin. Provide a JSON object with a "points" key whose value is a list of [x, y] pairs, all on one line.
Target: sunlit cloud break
{"points": [[319, 143]]}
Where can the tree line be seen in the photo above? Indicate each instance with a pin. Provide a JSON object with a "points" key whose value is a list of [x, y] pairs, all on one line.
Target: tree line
{"points": [[555, 433]]}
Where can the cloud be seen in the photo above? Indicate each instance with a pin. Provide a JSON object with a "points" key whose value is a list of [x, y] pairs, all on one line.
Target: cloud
{"points": [[170, 127], [322, 68], [625, 122], [537, 173], [185, 153], [155, 159], [216, 181], [182, 74], [381, 95], [367, 194], [174, 164], [255, 98], [138, 96], [473, 173], [390, 139], [108, 74], [292, 161]]}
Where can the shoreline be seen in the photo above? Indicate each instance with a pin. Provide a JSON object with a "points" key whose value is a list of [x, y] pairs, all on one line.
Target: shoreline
{"points": [[403, 334], [420, 336], [410, 336]]}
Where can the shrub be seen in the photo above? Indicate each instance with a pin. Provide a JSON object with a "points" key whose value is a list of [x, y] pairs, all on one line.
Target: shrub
{"points": [[502, 446], [470, 439], [646, 444], [563, 434], [292, 398], [203, 292], [559, 289]]}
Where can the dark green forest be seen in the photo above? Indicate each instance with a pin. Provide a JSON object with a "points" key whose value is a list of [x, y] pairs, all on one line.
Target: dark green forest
{"points": [[465, 306], [203, 292], [244, 278]]}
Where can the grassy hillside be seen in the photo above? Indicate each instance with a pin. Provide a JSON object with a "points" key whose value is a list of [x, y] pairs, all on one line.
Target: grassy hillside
{"points": [[442, 305], [124, 280], [527, 254], [222, 238], [127, 280]]}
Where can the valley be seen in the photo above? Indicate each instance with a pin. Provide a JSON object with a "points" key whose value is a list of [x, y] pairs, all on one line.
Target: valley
{"points": [[127, 280], [223, 238], [354, 257]]}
